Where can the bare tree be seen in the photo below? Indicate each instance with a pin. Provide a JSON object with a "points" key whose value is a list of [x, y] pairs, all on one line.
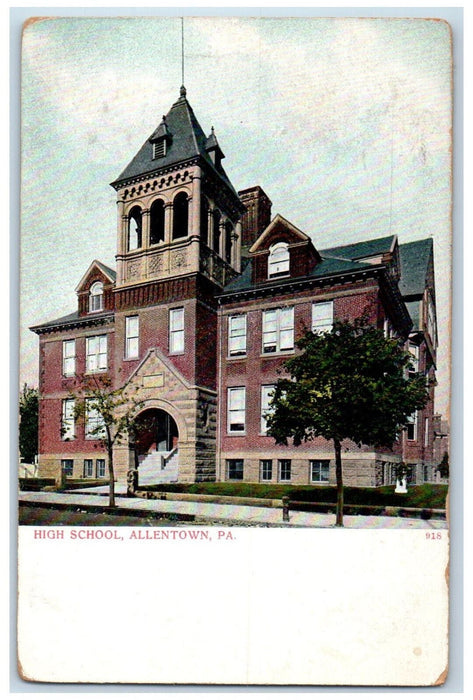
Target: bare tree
{"points": [[109, 415]]}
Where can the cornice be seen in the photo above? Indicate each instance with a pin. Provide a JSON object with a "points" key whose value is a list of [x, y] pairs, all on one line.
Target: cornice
{"points": [[280, 287], [73, 323], [118, 184]]}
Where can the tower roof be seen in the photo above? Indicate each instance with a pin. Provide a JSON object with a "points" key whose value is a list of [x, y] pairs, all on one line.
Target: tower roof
{"points": [[185, 140]]}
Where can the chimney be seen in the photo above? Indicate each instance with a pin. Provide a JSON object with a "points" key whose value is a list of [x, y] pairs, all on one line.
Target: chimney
{"points": [[257, 215]]}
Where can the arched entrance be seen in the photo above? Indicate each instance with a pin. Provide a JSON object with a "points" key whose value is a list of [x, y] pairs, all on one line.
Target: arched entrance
{"points": [[156, 445]]}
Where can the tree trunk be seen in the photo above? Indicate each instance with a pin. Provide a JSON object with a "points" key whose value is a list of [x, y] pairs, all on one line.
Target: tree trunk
{"points": [[339, 475], [111, 474]]}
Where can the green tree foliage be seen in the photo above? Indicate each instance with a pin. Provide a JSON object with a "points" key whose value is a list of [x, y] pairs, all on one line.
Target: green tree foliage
{"points": [[349, 383], [444, 466], [28, 432], [113, 413]]}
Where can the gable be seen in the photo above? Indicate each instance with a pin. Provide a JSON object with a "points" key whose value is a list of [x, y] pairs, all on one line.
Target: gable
{"points": [[300, 259], [96, 272], [279, 230]]}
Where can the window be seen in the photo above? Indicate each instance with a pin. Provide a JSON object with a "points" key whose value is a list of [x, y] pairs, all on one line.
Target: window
{"points": [[156, 222], [236, 409], [414, 359], [94, 424], [67, 422], [67, 467], [237, 335], [159, 149], [96, 353], [278, 329], [284, 466], [267, 391], [278, 261], [322, 317], [426, 473], [235, 469], [431, 322], [266, 469], [88, 468], [69, 358], [131, 337], [96, 297], [100, 468], [180, 216], [411, 474], [426, 432], [412, 427], [176, 330], [319, 470], [134, 228]]}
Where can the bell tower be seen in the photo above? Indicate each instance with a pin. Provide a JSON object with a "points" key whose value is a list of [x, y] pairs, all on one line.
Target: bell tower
{"points": [[178, 245], [178, 213]]}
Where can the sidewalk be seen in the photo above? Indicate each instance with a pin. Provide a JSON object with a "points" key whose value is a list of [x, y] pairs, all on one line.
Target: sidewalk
{"points": [[214, 513]]}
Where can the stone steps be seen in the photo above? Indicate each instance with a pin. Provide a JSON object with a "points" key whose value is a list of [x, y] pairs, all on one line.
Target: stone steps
{"points": [[151, 472]]}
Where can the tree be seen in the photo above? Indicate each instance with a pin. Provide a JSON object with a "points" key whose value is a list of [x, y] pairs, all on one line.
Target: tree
{"points": [[28, 431], [350, 383], [444, 467], [109, 415]]}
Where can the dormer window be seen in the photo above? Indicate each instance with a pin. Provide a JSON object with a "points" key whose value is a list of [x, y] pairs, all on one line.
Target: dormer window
{"points": [[159, 149], [161, 140], [96, 297], [278, 261]]}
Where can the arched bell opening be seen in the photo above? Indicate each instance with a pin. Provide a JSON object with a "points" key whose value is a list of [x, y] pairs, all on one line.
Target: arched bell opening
{"points": [[156, 231], [134, 229]]}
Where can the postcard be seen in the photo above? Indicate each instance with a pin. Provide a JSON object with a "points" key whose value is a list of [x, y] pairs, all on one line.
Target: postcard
{"points": [[235, 350]]}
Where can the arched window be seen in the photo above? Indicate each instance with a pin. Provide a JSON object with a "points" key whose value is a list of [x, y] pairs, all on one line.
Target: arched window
{"points": [[216, 230], [228, 241], [278, 261], [180, 216], [204, 221], [156, 223], [134, 229], [96, 297]]}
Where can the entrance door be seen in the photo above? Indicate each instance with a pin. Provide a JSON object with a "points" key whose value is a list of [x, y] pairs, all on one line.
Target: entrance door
{"points": [[156, 432]]}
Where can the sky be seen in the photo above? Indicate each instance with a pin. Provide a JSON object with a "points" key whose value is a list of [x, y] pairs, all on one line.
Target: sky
{"points": [[345, 123]]}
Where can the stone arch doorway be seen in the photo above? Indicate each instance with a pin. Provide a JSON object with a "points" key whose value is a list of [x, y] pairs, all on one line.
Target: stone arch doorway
{"points": [[156, 431], [157, 447]]}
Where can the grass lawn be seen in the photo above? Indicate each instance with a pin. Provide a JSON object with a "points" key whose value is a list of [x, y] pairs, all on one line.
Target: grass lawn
{"points": [[423, 496], [41, 515]]}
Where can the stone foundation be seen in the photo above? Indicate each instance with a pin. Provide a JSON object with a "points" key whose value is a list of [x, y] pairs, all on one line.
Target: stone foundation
{"points": [[366, 471]]}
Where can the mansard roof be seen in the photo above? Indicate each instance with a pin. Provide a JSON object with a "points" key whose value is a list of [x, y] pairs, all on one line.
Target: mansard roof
{"points": [[416, 258], [186, 140]]}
